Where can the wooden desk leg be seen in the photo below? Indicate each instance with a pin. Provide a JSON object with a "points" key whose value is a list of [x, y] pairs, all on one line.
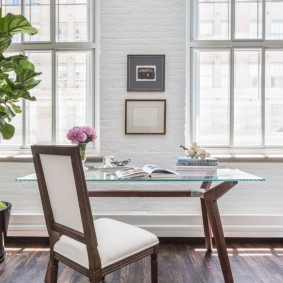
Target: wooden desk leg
{"points": [[210, 200], [206, 227], [219, 239], [206, 224]]}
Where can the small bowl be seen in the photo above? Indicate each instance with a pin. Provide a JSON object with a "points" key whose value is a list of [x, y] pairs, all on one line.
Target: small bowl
{"points": [[120, 162]]}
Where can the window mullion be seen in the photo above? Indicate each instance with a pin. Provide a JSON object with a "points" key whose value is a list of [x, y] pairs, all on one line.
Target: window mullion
{"points": [[232, 20], [263, 95], [54, 96], [52, 21], [24, 104], [24, 123], [231, 138], [263, 19]]}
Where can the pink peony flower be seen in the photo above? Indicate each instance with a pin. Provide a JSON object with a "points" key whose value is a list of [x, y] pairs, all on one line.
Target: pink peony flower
{"points": [[83, 134]]}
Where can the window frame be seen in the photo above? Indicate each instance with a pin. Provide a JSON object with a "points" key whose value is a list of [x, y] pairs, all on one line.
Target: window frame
{"points": [[55, 46], [227, 44]]}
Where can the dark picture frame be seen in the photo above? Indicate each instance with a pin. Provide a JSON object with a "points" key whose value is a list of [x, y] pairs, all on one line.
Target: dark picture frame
{"points": [[145, 116], [146, 73]]}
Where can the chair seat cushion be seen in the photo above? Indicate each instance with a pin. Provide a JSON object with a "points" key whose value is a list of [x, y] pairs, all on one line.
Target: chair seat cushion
{"points": [[116, 241]]}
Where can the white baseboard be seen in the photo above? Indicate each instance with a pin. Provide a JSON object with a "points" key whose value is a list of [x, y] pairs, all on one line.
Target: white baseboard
{"points": [[166, 225]]}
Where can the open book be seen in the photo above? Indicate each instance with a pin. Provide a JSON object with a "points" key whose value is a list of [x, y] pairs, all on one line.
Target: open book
{"points": [[149, 170]]}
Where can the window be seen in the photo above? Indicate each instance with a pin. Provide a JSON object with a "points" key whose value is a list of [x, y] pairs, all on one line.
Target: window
{"points": [[237, 74], [63, 51]]}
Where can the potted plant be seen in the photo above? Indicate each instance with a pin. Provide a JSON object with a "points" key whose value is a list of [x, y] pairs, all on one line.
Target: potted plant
{"points": [[17, 78], [5, 212], [17, 73]]}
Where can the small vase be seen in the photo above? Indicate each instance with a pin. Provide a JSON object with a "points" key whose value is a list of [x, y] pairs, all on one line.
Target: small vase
{"points": [[82, 147]]}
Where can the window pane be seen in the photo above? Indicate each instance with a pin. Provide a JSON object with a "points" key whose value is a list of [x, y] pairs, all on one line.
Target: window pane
{"points": [[72, 92], [274, 97], [38, 13], [248, 19], [247, 97], [72, 20], [39, 113], [274, 19], [211, 89], [212, 19]]}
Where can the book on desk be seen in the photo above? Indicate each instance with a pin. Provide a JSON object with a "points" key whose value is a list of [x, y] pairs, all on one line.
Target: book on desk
{"points": [[147, 171], [187, 166]]}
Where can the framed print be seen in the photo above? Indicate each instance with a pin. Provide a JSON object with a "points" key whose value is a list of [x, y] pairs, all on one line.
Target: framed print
{"points": [[146, 73], [145, 116]]}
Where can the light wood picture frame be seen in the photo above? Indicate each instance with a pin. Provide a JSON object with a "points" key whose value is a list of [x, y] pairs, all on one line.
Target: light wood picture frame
{"points": [[145, 116]]}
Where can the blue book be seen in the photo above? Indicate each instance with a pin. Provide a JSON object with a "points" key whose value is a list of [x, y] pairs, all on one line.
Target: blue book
{"points": [[184, 160]]}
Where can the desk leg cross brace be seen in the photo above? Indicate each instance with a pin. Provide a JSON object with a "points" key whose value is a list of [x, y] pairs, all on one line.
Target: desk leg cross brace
{"points": [[212, 222]]}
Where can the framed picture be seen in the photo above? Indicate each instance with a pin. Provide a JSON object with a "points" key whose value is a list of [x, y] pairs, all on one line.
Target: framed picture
{"points": [[145, 116], [146, 73]]}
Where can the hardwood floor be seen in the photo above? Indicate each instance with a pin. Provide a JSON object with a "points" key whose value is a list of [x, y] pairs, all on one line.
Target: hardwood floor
{"points": [[184, 261]]}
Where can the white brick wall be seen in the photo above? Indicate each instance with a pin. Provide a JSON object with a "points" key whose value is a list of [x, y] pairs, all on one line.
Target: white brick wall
{"points": [[151, 27], [141, 27]]}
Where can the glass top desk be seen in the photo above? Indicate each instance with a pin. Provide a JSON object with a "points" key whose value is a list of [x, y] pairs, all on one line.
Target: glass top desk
{"points": [[224, 178]]}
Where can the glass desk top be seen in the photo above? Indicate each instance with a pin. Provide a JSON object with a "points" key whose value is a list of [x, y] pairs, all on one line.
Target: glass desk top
{"points": [[221, 175]]}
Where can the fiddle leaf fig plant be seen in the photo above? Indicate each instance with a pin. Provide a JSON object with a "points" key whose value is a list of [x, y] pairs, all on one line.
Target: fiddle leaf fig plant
{"points": [[3, 205], [17, 73]]}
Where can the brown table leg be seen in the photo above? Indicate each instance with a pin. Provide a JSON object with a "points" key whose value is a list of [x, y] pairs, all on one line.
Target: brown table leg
{"points": [[206, 227], [210, 203], [205, 220]]}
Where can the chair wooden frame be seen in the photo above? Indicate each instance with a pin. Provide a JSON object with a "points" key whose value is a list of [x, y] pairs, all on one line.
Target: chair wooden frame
{"points": [[95, 272]]}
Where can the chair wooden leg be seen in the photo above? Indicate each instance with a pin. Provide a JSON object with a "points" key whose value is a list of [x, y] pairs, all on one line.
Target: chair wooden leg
{"points": [[96, 277], [154, 267], [52, 271]]}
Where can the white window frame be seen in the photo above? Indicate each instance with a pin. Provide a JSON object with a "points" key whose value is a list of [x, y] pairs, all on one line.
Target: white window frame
{"points": [[53, 47], [231, 45]]}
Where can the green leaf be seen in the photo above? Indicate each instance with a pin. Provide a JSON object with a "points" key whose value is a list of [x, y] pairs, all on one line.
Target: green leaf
{"points": [[3, 205], [16, 108], [32, 84], [2, 122], [5, 41], [10, 112], [8, 131], [13, 24]]}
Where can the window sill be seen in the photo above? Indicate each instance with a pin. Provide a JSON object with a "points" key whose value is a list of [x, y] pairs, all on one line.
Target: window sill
{"points": [[249, 157], [221, 157], [28, 158]]}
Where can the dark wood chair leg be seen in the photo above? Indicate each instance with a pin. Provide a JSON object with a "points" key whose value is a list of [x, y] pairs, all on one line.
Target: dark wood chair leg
{"points": [[154, 267], [96, 277], [52, 271]]}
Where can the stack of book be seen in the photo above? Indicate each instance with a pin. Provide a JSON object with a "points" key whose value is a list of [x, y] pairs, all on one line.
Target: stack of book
{"points": [[190, 166]]}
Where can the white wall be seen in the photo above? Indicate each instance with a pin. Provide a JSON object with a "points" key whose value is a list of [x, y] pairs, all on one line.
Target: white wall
{"points": [[141, 27], [151, 27]]}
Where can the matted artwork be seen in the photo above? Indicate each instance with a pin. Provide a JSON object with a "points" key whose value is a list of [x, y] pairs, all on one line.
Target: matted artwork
{"points": [[146, 73], [145, 116]]}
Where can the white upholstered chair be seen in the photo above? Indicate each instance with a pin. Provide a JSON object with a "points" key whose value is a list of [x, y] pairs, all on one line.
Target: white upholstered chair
{"points": [[94, 248]]}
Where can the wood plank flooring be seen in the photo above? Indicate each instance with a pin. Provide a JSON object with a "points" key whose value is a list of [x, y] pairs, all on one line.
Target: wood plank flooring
{"points": [[252, 261]]}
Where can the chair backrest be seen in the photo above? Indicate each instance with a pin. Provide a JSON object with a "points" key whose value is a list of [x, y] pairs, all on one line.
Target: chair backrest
{"points": [[64, 195]]}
